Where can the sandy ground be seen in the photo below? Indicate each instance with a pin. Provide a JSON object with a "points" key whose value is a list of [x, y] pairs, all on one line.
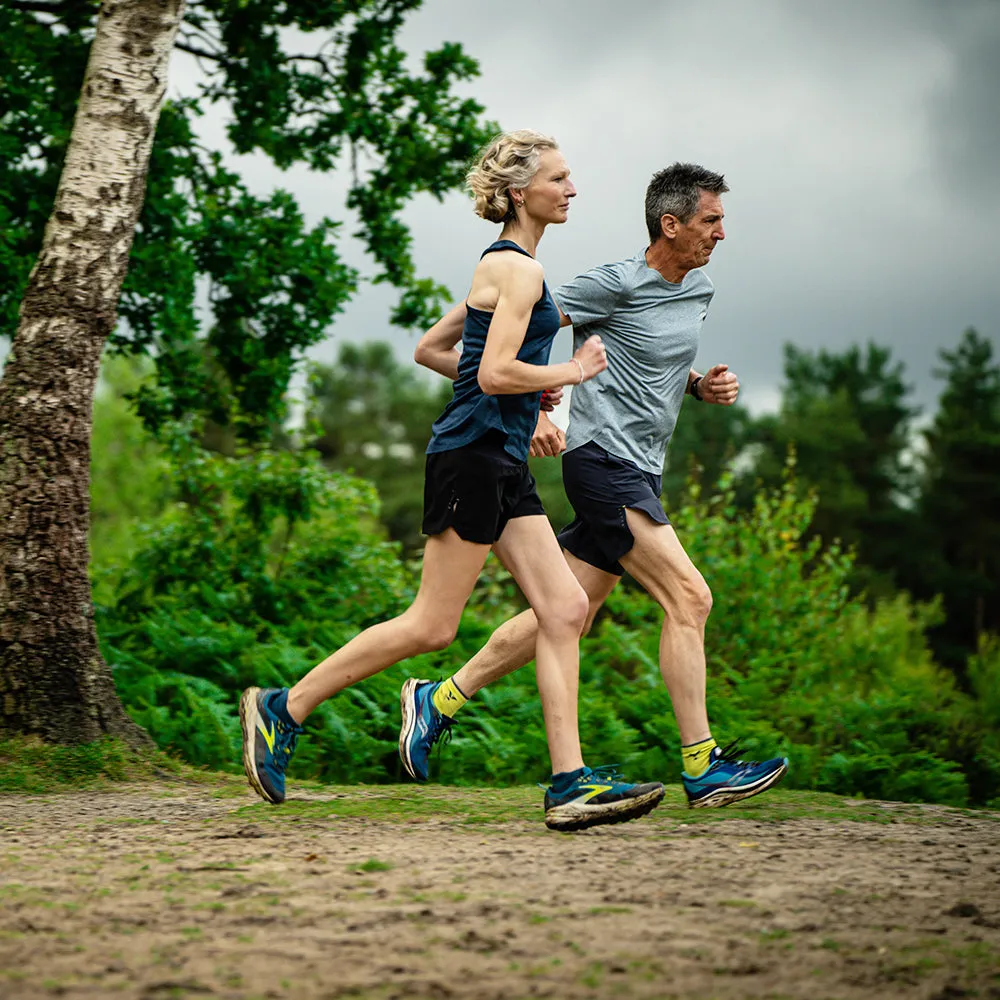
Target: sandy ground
{"points": [[191, 891]]}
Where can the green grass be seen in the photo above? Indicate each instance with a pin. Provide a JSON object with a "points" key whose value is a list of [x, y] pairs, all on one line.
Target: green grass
{"points": [[372, 865], [495, 807], [29, 766]]}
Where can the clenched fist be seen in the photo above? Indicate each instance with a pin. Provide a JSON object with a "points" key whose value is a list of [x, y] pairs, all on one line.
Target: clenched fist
{"points": [[719, 385], [592, 357]]}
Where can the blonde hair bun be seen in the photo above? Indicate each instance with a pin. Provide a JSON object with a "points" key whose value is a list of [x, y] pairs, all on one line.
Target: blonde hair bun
{"points": [[509, 161]]}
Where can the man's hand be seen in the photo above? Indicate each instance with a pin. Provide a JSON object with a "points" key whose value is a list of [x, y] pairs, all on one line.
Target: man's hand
{"points": [[548, 440], [551, 398], [719, 385]]}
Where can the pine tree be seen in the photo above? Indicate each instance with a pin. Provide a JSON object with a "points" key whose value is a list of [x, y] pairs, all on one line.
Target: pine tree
{"points": [[960, 500], [849, 419]]}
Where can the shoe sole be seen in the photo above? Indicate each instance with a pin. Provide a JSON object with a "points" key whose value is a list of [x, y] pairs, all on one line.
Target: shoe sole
{"points": [[408, 707], [248, 720], [569, 818], [725, 796]]}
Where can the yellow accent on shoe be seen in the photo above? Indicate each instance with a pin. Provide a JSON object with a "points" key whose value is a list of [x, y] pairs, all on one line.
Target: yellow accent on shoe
{"points": [[697, 757], [448, 699], [266, 733]]}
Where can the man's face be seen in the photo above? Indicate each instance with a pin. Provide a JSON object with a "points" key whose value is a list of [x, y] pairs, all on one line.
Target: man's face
{"points": [[695, 239]]}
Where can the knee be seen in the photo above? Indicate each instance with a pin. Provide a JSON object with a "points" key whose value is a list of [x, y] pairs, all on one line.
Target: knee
{"points": [[689, 603], [592, 608], [569, 613], [431, 636]]}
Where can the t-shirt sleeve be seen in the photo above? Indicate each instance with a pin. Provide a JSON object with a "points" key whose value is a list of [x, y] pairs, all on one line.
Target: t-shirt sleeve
{"points": [[592, 295]]}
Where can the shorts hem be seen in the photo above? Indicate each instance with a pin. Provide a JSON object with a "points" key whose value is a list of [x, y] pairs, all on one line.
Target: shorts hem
{"points": [[467, 534]]}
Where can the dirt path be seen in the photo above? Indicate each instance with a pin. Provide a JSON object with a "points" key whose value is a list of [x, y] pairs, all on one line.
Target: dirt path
{"points": [[190, 891]]}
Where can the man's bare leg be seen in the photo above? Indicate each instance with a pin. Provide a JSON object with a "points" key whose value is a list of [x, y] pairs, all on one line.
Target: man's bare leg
{"points": [[660, 565]]}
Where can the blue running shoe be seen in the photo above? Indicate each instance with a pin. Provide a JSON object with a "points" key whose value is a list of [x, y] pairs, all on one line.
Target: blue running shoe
{"points": [[729, 779], [423, 725], [268, 743], [596, 796]]}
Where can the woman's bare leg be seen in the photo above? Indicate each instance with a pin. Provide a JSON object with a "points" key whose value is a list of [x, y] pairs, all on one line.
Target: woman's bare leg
{"points": [[450, 569], [512, 645], [529, 550]]}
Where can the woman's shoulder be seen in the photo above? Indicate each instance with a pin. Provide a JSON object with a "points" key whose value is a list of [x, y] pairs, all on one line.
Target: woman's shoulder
{"points": [[507, 264]]}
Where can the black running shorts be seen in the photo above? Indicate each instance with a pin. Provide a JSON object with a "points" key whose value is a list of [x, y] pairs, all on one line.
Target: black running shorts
{"points": [[477, 489], [601, 487]]}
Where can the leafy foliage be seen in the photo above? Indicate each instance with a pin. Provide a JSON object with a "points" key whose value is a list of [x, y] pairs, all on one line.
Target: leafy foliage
{"points": [[707, 442], [374, 417], [345, 98], [799, 666], [262, 563]]}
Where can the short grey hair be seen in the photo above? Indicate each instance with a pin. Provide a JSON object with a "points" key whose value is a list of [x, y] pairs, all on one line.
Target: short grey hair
{"points": [[676, 191]]}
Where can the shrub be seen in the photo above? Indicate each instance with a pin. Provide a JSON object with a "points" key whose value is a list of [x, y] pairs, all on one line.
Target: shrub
{"points": [[261, 564]]}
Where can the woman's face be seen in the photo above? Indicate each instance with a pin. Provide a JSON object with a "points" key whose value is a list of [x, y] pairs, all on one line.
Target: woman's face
{"points": [[546, 198]]}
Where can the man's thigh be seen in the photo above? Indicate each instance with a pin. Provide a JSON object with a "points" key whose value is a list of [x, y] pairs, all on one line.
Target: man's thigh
{"points": [[657, 560]]}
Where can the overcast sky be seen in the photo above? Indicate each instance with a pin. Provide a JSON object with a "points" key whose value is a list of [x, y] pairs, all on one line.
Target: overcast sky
{"points": [[860, 140]]}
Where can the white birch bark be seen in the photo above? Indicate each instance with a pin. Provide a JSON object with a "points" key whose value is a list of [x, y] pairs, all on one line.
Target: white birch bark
{"points": [[53, 680]]}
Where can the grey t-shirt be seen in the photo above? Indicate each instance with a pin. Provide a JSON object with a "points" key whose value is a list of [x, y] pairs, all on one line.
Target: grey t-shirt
{"points": [[650, 327]]}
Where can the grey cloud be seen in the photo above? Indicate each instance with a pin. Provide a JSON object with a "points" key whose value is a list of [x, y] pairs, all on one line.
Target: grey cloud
{"points": [[860, 141], [966, 111]]}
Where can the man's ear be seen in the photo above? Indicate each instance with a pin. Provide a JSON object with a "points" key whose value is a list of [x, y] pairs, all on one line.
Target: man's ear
{"points": [[668, 225]]}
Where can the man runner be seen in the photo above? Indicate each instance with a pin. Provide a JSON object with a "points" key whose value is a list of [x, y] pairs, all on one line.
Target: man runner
{"points": [[648, 310]]}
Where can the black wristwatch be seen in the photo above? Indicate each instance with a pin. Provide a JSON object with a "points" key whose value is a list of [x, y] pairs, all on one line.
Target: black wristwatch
{"points": [[695, 391]]}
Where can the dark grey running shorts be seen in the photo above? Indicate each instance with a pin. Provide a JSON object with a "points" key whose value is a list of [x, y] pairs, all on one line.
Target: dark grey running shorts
{"points": [[601, 487], [477, 489]]}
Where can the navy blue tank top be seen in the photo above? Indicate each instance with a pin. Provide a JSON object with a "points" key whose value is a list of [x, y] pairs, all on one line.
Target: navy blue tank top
{"points": [[471, 413]]}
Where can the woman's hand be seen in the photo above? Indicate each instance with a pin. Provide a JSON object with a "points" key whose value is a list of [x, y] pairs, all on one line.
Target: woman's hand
{"points": [[592, 358]]}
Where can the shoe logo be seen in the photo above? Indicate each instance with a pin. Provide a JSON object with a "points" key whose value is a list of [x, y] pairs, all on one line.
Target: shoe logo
{"points": [[422, 726], [268, 736], [592, 791]]}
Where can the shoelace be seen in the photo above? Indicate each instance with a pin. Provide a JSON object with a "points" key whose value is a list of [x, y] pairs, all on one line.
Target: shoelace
{"points": [[601, 773], [440, 729], [606, 772], [730, 754], [285, 740]]}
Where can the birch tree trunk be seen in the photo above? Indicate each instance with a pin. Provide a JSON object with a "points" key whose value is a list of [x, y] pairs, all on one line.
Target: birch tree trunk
{"points": [[54, 682]]}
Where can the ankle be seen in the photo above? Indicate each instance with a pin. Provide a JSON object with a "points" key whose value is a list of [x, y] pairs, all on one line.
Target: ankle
{"points": [[563, 779]]}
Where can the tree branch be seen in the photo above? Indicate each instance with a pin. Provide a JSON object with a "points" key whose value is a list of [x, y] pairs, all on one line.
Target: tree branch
{"points": [[200, 53], [311, 58], [41, 6]]}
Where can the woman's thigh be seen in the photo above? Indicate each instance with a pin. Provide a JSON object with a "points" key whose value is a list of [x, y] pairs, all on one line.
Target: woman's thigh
{"points": [[529, 550], [450, 569]]}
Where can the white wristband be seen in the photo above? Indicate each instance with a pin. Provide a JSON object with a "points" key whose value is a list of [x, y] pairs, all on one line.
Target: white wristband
{"points": [[578, 365]]}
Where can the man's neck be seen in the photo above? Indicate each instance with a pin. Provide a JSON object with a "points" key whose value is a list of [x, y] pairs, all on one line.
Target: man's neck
{"points": [[660, 257]]}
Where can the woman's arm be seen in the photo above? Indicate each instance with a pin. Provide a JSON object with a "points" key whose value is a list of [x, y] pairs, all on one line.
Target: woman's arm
{"points": [[436, 348], [519, 285]]}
